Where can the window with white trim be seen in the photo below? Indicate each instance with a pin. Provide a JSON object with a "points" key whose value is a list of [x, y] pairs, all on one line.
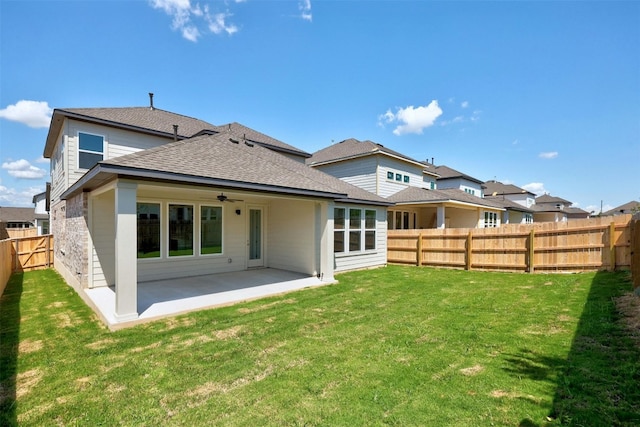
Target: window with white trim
{"points": [[528, 218], [354, 230], [148, 226], [210, 230], [90, 150], [490, 219]]}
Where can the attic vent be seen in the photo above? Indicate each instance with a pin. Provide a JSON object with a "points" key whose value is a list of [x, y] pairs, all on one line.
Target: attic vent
{"points": [[175, 132], [235, 141]]}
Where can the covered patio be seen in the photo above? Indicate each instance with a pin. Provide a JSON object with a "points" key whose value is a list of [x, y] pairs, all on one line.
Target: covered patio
{"points": [[169, 297]]}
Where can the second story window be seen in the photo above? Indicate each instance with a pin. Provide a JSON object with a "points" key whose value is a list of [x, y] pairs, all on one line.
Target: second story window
{"points": [[90, 150]]}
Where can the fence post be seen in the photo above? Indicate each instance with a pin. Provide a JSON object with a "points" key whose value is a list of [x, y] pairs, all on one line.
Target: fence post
{"points": [[419, 254], [16, 261], [469, 250], [531, 248], [612, 246]]}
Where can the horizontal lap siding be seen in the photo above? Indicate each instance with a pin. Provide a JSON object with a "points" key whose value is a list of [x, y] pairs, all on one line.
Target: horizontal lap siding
{"points": [[367, 259], [103, 237], [387, 187], [358, 172]]}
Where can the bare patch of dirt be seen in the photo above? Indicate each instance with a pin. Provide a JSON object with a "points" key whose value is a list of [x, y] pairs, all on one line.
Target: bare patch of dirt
{"points": [[30, 346], [99, 345], [500, 394], [173, 323], [26, 381], [267, 306], [228, 333], [147, 347], [64, 320], [474, 370], [56, 304]]}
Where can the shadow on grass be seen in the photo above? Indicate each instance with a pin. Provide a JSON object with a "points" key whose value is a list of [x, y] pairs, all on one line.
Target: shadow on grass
{"points": [[597, 385], [9, 340]]}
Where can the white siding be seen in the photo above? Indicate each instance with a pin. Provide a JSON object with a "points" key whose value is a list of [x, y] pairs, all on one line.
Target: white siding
{"points": [[387, 187], [366, 259], [359, 172], [291, 238], [461, 184]]}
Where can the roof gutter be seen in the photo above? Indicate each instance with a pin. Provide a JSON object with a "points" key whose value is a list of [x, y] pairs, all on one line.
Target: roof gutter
{"points": [[457, 202]]}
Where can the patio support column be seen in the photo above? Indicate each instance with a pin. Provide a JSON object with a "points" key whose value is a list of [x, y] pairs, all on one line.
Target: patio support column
{"points": [[440, 215], [324, 240], [126, 251]]}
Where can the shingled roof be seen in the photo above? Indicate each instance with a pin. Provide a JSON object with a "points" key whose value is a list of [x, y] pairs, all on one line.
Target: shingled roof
{"points": [[224, 160], [416, 195], [252, 135], [445, 172], [353, 148], [147, 120], [500, 189]]}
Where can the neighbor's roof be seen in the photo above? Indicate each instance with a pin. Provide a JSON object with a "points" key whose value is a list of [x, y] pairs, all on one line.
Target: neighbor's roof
{"points": [[147, 120], [353, 148], [546, 198], [508, 204], [11, 214], [254, 136], [416, 195], [506, 189], [224, 160], [446, 172], [623, 209]]}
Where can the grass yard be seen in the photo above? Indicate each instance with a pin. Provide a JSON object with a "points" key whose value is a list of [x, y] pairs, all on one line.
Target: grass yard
{"points": [[393, 346]]}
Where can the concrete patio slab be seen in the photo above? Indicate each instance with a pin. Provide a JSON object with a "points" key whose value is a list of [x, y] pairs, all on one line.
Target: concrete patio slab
{"points": [[169, 297]]}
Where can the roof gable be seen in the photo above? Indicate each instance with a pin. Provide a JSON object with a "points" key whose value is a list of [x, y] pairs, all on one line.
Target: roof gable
{"points": [[500, 189], [138, 119], [353, 148], [445, 172]]}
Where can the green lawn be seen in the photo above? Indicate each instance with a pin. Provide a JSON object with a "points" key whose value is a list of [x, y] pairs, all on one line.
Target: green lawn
{"points": [[393, 346]]}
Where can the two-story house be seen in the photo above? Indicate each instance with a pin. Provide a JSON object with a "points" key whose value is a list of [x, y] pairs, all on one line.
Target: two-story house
{"points": [[518, 202], [142, 194], [410, 184], [556, 209]]}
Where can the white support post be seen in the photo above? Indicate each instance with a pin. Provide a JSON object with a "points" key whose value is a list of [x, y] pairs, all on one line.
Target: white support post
{"points": [[440, 215], [324, 239], [126, 251]]}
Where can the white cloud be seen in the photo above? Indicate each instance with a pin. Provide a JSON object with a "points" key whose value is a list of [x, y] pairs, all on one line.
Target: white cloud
{"points": [[305, 10], [596, 208], [413, 120], [23, 169], [42, 159], [548, 155], [476, 115], [191, 19], [35, 114], [464, 104], [536, 188], [18, 198]]}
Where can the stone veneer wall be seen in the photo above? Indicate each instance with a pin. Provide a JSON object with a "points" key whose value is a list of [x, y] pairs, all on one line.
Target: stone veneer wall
{"points": [[69, 226]]}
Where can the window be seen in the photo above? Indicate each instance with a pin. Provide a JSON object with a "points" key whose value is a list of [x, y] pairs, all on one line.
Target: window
{"points": [[389, 220], [148, 215], [406, 179], [210, 230], [470, 191], [180, 230], [90, 150], [355, 230], [369, 229], [490, 219], [433, 185], [338, 227], [528, 218], [390, 175], [399, 177]]}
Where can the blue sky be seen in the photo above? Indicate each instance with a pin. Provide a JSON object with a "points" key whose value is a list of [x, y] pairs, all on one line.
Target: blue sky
{"points": [[544, 95]]}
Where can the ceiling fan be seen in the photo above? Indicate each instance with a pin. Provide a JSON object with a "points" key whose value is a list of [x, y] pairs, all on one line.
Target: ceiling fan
{"points": [[221, 197]]}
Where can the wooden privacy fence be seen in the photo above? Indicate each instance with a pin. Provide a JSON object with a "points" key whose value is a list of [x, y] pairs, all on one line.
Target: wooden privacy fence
{"points": [[24, 254], [576, 245]]}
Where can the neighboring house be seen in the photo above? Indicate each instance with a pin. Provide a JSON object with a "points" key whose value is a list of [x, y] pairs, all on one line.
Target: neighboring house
{"points": [[555, 209], [632, 207], [450, 178], [41, 202], [412, 185], [136, 197], [18, 222], [518, 202]]}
